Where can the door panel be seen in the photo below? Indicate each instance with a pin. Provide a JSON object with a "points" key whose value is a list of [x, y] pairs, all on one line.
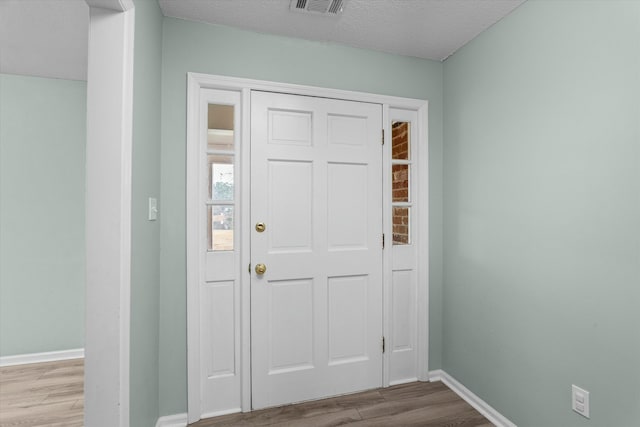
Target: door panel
{"points": [[347, 317], [290, 127], [347, 130], [317, 310], [289, 218], [347, 226], [219, 327], [291, 349]]}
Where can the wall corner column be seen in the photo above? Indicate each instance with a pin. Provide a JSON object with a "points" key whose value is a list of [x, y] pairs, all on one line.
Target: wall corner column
{"points": [[108, 212]]}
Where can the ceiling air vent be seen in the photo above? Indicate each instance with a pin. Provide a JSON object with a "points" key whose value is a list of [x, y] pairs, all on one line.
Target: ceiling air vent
{"points": [[328, 7]]}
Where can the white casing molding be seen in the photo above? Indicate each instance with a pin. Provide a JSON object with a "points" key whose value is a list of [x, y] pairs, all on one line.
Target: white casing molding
{"points": [[49, 356], [423, 243], [115, 5], [471, 398], [197, 82], [177, 420], [108, 214]]}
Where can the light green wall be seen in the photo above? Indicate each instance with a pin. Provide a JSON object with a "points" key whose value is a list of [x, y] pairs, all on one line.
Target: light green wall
{"points": [[145, 235], [211, 49], [542, 213], [42, 175]]}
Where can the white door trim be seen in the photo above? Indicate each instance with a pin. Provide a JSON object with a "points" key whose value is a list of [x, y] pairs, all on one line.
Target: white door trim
{"points": [[423, 243], [108, 212], [196, 82]]}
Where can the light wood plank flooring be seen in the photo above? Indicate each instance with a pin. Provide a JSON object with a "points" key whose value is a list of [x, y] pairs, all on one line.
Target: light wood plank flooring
{"points": [[414, 404], [42, 394], [51, 394]]}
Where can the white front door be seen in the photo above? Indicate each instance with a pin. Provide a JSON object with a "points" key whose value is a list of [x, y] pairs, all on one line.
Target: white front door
{"points": [[316, 185]]}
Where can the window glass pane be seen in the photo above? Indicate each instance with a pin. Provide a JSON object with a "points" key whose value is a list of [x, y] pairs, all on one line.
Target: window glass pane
{"points": [[220, 177], [220, 127], [400, 183], [400, 141], [401, 232], [220, 227]]}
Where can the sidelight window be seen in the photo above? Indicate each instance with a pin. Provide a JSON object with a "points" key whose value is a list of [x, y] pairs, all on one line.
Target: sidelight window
{"points": [[401, 164], [220, 167]]}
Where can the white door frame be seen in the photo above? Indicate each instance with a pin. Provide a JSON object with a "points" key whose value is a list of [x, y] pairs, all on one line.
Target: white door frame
{"points": [[196, 82]]}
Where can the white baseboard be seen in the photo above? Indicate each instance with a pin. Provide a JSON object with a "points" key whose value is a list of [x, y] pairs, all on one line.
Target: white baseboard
{"points": [[478, 404], [177, 420], [50, 356], [180, 420]]}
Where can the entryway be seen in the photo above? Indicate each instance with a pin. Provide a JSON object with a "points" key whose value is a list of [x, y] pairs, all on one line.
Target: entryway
{"points": [[291, 294]]}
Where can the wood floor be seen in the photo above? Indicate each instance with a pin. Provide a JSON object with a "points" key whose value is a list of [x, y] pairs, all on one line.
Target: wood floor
{"points": [[414, 404], [42, 394], [51, 394]]}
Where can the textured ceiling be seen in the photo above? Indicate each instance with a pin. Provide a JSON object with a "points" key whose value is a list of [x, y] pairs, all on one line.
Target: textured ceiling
{"points": [[431, 29], [49, 38], [46, 38]]}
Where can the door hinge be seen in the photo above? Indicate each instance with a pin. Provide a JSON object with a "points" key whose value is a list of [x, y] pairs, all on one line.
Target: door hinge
{"points": [[383, 345], [382, 240], [382, 136]]}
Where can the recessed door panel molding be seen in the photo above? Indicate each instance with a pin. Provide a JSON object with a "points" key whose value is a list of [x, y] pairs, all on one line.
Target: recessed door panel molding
{"points": [[219, 324], [347, 130], [348, 190], [402, 342], [402, 311], [290, 325], [347, 303], [290, 127], [289, 218]]}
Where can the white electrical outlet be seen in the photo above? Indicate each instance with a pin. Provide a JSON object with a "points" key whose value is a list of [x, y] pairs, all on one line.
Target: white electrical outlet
{"points": [[580, 401]]}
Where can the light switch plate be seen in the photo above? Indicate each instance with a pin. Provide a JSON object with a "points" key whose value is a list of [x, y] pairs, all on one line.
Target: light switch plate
{"points": [[580, 401], [153, 209]]}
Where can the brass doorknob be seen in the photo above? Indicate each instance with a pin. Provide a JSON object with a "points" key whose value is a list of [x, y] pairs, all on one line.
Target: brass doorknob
{"points": [[261, 269], [260, 227]]}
